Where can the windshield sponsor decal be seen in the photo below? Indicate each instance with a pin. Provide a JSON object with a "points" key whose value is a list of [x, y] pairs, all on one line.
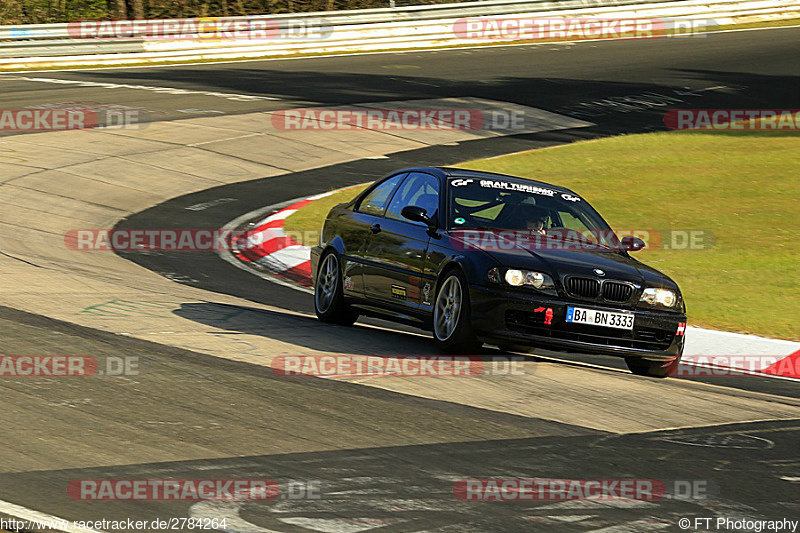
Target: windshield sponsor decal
{"points": [[570, 197], [513, 186], [507, 186]]}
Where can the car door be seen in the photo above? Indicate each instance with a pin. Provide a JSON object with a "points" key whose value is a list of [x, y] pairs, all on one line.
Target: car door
{"points": [[355, 234], [395, 255]]}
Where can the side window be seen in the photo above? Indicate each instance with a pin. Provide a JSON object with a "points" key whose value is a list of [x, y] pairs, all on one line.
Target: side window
{"points": [[421, 190], [570, 221], [375, 202]]}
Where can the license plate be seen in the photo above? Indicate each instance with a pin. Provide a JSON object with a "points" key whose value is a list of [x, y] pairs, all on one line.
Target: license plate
{"points": [[580, 315]]}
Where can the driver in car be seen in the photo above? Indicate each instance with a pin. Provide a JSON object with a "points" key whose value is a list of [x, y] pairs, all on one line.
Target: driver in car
{"points": [[536, 220]]}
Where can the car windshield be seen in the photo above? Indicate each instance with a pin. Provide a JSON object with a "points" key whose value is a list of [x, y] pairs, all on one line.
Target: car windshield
{"points": [[496, 204]]}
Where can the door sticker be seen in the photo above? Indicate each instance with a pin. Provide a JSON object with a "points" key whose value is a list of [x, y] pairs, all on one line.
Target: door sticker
{"points": [[399, 292]]}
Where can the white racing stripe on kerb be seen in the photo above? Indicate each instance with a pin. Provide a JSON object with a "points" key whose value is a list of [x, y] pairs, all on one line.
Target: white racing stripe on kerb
{"points": [[701, 342], [167, 90], [287, 258], [323, 195], [23, 513], [263, 237], [280, 215]]}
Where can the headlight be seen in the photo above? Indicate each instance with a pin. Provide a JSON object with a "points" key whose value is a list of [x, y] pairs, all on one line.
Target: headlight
{"points": [[662, 297], [515, 277], [518, 278]]}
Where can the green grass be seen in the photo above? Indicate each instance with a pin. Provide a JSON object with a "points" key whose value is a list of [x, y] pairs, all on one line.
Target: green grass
{"points": [[304, 225], [741, 187]]}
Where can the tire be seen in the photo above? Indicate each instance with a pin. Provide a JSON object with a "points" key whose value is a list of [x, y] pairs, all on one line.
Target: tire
{"points": [[653, 369], [452, 330], [329, 303]]}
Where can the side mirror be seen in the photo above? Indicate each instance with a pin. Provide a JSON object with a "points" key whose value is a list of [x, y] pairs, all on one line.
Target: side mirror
{"points": [[417, 214], [632, 244]]}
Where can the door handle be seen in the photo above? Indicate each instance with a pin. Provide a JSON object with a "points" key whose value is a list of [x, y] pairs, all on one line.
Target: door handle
{"points": [[375, 228]]}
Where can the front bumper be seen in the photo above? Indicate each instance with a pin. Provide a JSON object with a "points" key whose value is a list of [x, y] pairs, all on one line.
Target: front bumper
{"points": [[506, 315]]}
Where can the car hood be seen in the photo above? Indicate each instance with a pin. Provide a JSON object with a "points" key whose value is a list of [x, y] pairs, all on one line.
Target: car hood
{"points": [[561, 263]]}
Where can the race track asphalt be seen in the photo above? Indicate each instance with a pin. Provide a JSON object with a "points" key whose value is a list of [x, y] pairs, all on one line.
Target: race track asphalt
{"points": [[384, 460]]}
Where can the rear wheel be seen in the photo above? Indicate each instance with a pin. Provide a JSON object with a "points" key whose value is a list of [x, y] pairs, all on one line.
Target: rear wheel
{"points": [[653, 369], [451, 325], [329, 301]]}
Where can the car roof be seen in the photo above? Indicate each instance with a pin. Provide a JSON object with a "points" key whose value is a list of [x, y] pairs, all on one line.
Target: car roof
{"points": [[452, 172]]}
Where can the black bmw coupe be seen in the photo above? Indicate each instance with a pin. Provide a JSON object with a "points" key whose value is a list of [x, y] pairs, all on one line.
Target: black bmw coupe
{"points": [[479, 257]]}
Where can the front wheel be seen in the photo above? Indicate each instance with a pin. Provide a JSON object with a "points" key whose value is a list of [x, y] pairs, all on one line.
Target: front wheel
{"points": [[451, 312], [653, 369], [329, 301]]}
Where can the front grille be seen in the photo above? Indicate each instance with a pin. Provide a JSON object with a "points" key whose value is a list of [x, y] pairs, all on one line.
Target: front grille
{"points": [[617, 292], [583, 287]]}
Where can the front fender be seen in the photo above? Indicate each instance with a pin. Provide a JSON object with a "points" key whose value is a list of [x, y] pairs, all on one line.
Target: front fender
{"points": [[473, 267]]}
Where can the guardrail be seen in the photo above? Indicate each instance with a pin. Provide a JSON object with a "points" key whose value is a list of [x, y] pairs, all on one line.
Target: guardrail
{"points": [[42, 46]]}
